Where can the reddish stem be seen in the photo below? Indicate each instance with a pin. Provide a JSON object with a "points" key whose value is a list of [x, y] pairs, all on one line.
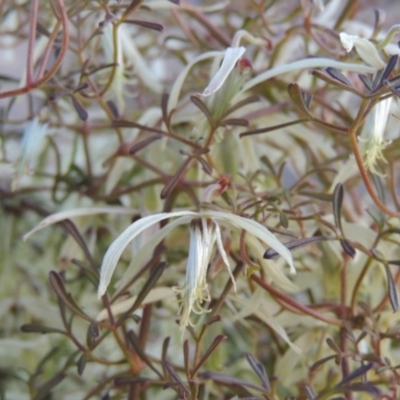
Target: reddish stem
{"points": [[31, 41], [288, 300], [63, 51]]}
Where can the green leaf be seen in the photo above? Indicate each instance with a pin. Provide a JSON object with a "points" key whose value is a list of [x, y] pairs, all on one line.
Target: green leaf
{"points": [[297, 96]]}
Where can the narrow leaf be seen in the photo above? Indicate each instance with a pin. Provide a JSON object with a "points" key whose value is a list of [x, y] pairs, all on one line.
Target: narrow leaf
{"points": [[328, 79], [214, 345], [333, 345], [259, 370], [337, 205], [34, 328], [249, 100], [392, 289], [203, 108], [336, 74], [58, 286], [388, 69], [230, 380], [296, 95], [362, 387], [175, 377], [138, 347], [322, 361], [146, 24], [81, 364], [82, 113], [143, 143], [164, 109], [348, 248], [271, 253], [355, 374], [167, 189], [309, 391], [272, 128], [44, 390], [366, 81], [113, 108], [235, 122]]}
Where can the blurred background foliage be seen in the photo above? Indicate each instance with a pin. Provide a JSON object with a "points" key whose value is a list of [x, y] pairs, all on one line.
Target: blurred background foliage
{"points": [[105, 119]]}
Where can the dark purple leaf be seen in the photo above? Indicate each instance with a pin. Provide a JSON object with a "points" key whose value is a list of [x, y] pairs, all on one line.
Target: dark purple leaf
{"points": [[297, 96], [356, 374], [82, 113], [81, 364], [388, 69], [271, 253], [145, 24], [348, 248], [337, 205], [272, 128], [336, 74], [392, 289], [144, 143], [259, 370]]}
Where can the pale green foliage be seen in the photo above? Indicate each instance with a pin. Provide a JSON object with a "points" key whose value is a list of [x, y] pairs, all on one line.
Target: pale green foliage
{"points": [[192, 245]]}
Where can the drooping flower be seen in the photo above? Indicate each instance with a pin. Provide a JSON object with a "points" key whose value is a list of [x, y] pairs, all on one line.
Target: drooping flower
{"points": [[32, 141], [365, 49], [204, 234], [372, 138]]}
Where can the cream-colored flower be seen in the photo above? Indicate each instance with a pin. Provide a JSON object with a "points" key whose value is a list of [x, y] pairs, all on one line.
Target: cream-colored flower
{"points": [[32, 141], [204, 234], [372, 139]]}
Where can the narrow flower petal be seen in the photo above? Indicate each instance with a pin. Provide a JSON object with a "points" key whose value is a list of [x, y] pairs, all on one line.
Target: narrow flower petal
{"points": [[365, 49], [256, 229], [308, 63], [146, 250], [195, 290], [223, 254], [232, 55], [372, 137], [176, 88], [116, 249], [77, 212]]}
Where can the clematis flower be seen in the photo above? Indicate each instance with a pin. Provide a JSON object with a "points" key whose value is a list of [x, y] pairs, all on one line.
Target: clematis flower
{"points": [[32, 141], [205, 232], [365, 49], [372, 140]]}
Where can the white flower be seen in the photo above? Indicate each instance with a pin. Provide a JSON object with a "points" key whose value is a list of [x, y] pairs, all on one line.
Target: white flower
{"points": [[204, 233], [32, 142], [372, 139], [232, 55], [365, 49]]}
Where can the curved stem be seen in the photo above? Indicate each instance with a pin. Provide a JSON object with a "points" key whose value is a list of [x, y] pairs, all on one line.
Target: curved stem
{"points": [[49, 46], [293, 303], [63, 51], [31, 41]]}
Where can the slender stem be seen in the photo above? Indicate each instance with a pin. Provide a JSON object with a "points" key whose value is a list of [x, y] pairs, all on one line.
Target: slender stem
{"points": [[294, 303], [63, 51], [31, 41], [358, 284], [47, 51]]}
